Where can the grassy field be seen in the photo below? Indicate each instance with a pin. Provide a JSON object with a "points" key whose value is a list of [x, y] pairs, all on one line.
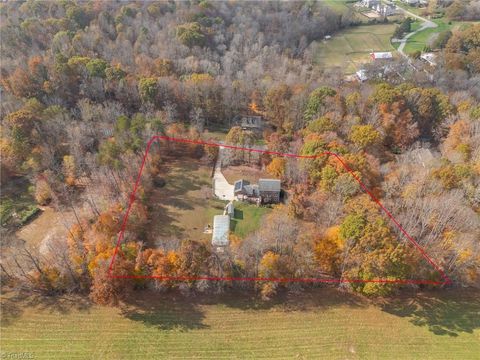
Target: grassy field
{"points": [[350, 48], [343, 6], [321, 324], [418, 41], [185, 205]]}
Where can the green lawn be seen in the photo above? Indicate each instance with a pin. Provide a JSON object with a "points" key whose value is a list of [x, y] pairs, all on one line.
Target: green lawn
{"points": [[247, 218], [339, 6], [413, 9], [323, 324], [17, 205], [418, 41], [350, 48]]}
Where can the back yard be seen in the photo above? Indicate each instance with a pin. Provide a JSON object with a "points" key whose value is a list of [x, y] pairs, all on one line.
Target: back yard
{"points": [[322, 323]]}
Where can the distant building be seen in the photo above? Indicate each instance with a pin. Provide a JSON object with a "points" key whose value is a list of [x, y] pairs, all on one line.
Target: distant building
{"points": [[265, 192], [249, 122], [327, 37], [430, 58], [381, 55], [369, 3], [411, 2], [362, 75], [385, 9], [380, 8], [221, 229], [229, 210]]}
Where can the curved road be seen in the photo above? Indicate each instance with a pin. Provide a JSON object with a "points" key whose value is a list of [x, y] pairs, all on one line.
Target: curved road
{"points": [[426, 24]]}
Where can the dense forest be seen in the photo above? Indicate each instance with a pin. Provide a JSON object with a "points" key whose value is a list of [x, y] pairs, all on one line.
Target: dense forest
{"points": [[85, 85]]}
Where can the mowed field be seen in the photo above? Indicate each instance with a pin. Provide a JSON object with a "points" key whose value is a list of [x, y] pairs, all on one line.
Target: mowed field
{"points": [[325, 323], [350, 48]]}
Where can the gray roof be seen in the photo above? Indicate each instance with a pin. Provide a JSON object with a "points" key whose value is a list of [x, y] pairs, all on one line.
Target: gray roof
{"points": [[221, 228], [269, 185], [240, 184], [251, 190], [251, 121]]}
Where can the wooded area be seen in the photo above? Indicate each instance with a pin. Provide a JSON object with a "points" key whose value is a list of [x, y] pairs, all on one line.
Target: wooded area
{"points": [[85, 85]]}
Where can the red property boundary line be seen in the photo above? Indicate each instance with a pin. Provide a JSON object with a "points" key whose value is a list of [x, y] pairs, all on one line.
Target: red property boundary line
{"points": [[446, 279]]}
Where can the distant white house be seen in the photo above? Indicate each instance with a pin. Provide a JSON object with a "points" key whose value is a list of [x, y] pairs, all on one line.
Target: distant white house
{"points": [[411, 2], [327, 37], [369, 3], [221, 229], [430, 58], [381, 55], [362, 75], [377, 6]]}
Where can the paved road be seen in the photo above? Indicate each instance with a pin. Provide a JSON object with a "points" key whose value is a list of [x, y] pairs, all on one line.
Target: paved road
{"points": [[426, 24], [222, 189]]}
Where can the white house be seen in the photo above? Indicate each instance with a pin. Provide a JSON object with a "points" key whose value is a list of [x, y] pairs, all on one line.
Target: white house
{"points": [[381, 55], [362, 75], [430, 58], [411, 2], [369, 3]]}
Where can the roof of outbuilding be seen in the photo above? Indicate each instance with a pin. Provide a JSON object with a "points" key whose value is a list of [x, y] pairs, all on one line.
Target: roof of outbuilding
{"points": [[269, 185], [221, 228]]}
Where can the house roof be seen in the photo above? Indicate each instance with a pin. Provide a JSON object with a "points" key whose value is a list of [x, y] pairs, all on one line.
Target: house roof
{"points": [[251, 121], [240, 184], [429, 57], [362, 75], [251, 190], [381, 55], [269, 185], [221, 228]]}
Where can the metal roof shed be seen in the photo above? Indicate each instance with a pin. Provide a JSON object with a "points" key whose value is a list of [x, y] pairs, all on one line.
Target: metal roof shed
{"points": [[221, 228]]}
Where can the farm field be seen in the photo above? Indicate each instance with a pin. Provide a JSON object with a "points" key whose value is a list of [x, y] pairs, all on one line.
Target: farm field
{"points": [[350, 48], [322, 323]]}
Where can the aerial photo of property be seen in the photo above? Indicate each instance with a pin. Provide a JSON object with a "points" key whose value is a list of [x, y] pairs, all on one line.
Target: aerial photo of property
{"points": [[238, 179]]}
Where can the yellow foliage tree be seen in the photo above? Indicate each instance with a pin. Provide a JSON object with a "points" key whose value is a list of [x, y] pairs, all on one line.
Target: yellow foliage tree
{"points": [[277, 167]]}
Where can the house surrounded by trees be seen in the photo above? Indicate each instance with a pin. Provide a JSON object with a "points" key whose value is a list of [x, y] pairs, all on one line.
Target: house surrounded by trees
{"points": [[267, 191]]}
